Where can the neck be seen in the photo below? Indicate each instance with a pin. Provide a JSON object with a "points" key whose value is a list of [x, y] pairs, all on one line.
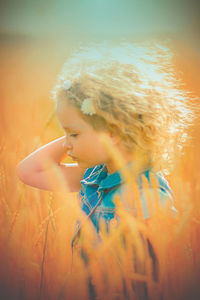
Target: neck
{"points": [[136, 162], [117, 163]]}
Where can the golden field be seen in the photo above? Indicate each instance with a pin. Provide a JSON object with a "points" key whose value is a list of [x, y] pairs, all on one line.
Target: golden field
{"points": [[36, 226]]}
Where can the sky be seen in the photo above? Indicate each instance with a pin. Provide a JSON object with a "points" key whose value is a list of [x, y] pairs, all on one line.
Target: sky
{"points": [[97, 17]]}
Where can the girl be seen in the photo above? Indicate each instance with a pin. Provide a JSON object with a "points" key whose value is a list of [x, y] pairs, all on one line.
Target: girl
{"points": [[112, 100]]}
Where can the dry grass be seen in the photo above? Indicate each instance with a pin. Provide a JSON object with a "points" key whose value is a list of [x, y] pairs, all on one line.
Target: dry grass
{"points": [[36, 226]]}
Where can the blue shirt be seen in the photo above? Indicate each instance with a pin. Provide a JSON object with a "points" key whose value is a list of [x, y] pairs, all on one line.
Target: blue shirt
{"points": [[98, 189]]}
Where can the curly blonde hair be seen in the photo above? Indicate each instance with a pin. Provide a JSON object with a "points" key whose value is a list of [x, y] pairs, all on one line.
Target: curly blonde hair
{"points": [[135, 94]]}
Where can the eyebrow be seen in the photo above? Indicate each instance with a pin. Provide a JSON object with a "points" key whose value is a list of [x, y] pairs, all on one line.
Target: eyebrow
{"points": [[71, 127]]}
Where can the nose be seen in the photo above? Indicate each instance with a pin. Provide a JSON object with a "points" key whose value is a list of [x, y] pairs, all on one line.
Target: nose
{"points": [[67, 144]]}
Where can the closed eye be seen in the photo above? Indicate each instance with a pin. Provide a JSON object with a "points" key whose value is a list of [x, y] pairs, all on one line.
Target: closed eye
{"points": [[73, 134]]}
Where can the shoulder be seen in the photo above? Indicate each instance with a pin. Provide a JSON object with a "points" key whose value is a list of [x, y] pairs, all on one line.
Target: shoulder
{"points": [[163, 184], [160, 192], [150, 187], [155, 180]]}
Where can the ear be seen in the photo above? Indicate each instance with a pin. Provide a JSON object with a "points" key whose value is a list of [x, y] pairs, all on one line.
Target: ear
{"points": [[116, 139], [113, 134]]}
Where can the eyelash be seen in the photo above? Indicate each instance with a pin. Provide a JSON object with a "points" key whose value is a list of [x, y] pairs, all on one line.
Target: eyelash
{"points": [[74, 135]]}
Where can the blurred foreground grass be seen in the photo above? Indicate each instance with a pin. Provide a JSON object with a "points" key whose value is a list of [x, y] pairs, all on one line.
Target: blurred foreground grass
{"points": [[36, 226]]}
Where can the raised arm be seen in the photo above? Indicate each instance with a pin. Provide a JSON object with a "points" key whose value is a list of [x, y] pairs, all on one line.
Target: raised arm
{"points": [[36, 169]]}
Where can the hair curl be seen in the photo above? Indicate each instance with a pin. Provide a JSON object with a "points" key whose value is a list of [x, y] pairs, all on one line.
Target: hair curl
{"points": [[135, 94]]}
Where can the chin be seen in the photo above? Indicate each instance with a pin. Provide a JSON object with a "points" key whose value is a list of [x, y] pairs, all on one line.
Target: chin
{"points": [[86, 165], [82, 164]]}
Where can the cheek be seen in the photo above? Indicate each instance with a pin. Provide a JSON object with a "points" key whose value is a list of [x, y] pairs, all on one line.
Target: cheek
{"points": [[96, 148], [90, 147]]}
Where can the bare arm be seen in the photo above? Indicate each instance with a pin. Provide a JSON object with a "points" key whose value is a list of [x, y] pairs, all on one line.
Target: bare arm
{"points": [[36, 169]]}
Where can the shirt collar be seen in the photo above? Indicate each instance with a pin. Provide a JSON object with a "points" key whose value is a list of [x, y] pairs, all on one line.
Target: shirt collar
{"points": [[99, 176]]}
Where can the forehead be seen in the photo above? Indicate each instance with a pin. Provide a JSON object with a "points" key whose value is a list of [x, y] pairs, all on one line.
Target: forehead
{"points": [[69, 116]]}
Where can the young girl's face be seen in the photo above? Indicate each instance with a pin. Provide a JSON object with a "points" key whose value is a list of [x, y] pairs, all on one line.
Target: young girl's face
{"points": [[82, 140]]}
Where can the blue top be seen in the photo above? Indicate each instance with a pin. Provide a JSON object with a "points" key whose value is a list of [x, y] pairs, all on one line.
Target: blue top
{"points": [[98, 189]]}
